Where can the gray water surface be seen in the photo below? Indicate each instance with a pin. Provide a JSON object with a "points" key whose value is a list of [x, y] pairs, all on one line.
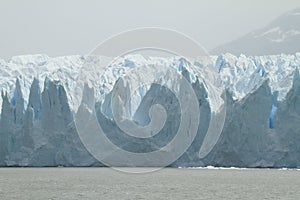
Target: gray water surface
{"points": [[105, 183]]}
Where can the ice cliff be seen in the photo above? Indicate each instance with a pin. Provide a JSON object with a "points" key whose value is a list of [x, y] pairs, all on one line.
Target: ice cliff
{"points": [[39, 97]]}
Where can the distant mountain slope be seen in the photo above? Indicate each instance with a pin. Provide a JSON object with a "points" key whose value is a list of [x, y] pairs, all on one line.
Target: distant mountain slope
{"points": [[280, 36]]}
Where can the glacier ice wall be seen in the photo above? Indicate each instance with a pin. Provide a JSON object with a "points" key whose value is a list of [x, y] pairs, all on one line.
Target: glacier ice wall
{"points": [[39, 98]]}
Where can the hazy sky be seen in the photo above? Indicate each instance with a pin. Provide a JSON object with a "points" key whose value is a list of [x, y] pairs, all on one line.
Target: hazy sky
{"points": [[64, 27]]}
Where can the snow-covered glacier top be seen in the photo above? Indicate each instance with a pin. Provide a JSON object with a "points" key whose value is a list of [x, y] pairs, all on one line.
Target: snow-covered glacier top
{"points": [[241, 75]]}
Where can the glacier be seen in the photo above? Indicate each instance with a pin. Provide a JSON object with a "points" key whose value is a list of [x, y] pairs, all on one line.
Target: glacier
{"points": [[40, 94]]}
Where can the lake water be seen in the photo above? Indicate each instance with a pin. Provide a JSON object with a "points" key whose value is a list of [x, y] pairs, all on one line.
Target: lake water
{"points": [[105, 183]]}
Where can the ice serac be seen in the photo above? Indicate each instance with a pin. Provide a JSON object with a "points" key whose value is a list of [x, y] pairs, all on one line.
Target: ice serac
{"points": [[5, 130], [191, 157], [287, 120], [35, 102], [46, 135], [18, 104], [39, 96], [246, 140]]}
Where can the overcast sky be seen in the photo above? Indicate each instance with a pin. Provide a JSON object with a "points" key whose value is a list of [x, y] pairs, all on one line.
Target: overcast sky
{"points": [[64, 27]]}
